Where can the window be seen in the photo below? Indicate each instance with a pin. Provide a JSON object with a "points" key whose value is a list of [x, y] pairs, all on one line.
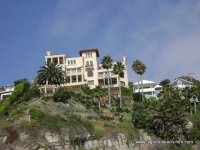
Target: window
{"points": [[55, 60], [71, 62], [91, 63], [87, 63], [68, 62], [89, 54], [68, 79], [100, 74], [68, 71], [90, 74], [79, 70], [121, 75], [91, 82], [101, 82], [179, 82], [74, 62], [48, 60], [79, 78], [73, 79], [114, 81], [61, 60], [122, 83], [73, 70]]}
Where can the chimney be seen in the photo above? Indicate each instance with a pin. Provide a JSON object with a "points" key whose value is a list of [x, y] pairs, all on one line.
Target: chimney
{"points": [[48, 53], [124, 58]]}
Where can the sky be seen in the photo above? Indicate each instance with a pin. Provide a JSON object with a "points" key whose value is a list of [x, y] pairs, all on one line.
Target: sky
{"points": [[164, 35]]}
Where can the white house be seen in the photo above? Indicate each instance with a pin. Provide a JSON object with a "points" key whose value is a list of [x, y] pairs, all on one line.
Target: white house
{"points": [[85, 69], [6, 92], [181, 83], [150, 88]]}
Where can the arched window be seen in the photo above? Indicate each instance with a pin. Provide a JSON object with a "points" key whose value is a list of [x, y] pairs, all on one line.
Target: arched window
{"points": [[91, 63], [87, 63], [90, 74]]}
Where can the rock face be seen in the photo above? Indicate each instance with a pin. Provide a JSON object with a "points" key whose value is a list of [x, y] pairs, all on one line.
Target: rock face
{"points": [[46, 139]]}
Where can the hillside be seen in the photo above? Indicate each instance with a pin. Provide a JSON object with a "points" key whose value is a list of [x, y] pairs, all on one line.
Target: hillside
{"points": [[42, 124]]}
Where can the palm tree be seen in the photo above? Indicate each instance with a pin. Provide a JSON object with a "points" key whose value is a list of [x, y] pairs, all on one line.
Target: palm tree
{"points": [[50, 74], [98, 92], [107, 64], [139, 69], [86, 92], [118, 69]]}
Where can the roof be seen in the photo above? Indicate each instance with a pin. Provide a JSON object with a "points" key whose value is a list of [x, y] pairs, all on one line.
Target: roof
{"points": [[90, 50], [158, 86], [145, 82], [181, 80]]}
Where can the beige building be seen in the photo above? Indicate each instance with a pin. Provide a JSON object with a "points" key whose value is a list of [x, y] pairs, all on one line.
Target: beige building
{"points": [[86, 70]]}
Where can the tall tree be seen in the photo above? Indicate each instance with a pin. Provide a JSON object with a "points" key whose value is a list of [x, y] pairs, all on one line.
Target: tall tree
{"points": [[170, 117], [165, 83], [107, 64], [99, 92], [139, 69], [50, 74], [118, 69]]}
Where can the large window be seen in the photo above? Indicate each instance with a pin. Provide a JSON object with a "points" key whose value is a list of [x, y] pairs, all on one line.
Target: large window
{"points": [[89, 54], [79, 78], [90, 73], [68, 79], [55, 60], [79, 70], [87, 63], [91, 63], [61, 60], [74, 79], [48, 60]]}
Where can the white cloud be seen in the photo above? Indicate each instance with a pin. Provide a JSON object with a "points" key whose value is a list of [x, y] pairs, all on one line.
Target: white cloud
{"points": [[164, 35]]}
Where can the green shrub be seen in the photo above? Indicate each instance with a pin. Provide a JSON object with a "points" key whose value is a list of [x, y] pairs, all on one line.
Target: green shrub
{"points": [[141, 117], [36, 114], [3, 121], [137, 97], [195, 132], [33, 92], [126, 91], [72, 122], [4, 105], [16, 113], [99, 131], [19, 91], [62, 95]]}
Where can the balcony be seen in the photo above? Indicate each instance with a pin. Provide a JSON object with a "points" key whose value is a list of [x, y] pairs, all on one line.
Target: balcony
{"points": [[89, 66]]}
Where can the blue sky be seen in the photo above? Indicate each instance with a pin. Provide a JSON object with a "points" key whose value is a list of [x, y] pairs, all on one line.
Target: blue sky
{"points": [[165, 35]]}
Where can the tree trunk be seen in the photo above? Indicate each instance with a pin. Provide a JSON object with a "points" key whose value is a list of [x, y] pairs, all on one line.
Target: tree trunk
{"points": [[109, 99], [120, 94], [99, 103], [138, 86], [142, 88], [195, 108]]}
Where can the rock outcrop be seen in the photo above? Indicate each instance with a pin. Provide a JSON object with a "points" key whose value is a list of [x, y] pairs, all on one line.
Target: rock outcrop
{"points": [[61, 140]]}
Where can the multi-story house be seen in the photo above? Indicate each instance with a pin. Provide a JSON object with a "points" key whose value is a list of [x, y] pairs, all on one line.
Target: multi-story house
{"points": [[150, 88], [181, 83], [85, 69], [6, 92]]}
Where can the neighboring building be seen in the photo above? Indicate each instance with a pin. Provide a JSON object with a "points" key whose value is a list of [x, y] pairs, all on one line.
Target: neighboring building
{"points": [[181, 83], [150, 88], [86, 70], [6, 92]]}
